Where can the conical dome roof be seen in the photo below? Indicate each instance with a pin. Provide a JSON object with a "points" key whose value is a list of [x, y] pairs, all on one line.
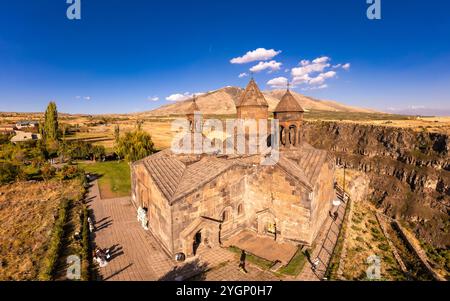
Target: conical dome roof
{"points": [[192, 108], [252, 96], [288, 103]]}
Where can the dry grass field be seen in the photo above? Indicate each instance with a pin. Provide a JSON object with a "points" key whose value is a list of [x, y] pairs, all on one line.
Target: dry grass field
{"points": [[27, 216], [159, 127]]}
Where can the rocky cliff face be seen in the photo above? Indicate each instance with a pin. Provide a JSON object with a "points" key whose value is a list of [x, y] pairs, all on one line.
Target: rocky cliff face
{"points": [[409, 171]]}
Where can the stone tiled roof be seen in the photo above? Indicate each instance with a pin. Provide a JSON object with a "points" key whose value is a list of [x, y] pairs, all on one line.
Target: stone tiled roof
{"points": [[310, 160], [292, 168], [177, 176], [180, 175], [288, 103], [252, 96], [201, 173], [166, 172]]}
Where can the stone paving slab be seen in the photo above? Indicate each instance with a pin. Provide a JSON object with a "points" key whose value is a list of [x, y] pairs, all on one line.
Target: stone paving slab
{"points": [[136, 255], [264, 247], [324, 245]]}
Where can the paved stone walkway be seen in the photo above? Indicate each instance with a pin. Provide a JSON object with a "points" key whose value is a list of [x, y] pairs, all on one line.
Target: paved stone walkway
{"points": [[231, 272], [264, 247], [136, 256], [325, 243]]}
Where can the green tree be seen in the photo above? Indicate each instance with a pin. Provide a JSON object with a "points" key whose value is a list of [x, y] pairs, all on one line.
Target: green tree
{"points": [[50, 128], [98, 151], [135, 145], [117, 133]]}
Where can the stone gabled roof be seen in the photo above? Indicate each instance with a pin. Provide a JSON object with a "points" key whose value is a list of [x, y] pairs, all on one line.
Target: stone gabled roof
{"points": [[288, 103], [252, 96], [310, 160], [292, 168], [200, 173], [177, 176], [166, 172]]}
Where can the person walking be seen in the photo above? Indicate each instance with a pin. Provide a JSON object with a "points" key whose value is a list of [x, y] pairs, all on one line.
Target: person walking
{"points": [[242, 262]]}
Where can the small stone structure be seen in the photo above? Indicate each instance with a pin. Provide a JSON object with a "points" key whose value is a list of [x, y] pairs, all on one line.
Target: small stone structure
{"points": [[203, 199]]}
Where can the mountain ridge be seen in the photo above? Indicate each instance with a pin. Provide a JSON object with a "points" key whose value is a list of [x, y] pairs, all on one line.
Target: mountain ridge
{"points": [[223, 101]]}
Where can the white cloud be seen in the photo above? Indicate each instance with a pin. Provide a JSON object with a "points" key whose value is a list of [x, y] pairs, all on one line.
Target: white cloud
{"points": [[153, 98], [272, 66], [304, 62], [414, 107], [315, 87], [321, 60], [243, 75], [317, 65], [346, 66], [298, 80], [181, 97], [278, 82], [260, 54], [83, 97], [178, 96], [315, 72], [320, 79]]}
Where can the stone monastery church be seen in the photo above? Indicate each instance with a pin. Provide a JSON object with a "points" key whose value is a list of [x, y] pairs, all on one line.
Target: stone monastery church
{"points": [[189, 200]]}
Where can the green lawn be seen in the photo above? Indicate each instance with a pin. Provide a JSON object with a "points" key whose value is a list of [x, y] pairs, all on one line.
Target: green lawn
{"points": [[295, 266], [114, 179], [261, 262]]}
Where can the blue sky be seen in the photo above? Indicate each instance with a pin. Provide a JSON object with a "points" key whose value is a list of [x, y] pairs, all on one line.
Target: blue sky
{"points": [[123, 55]]}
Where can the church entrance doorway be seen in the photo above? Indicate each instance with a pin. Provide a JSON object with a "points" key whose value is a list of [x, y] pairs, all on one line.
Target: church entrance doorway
{"points": [[271, 228], [197, 241]]}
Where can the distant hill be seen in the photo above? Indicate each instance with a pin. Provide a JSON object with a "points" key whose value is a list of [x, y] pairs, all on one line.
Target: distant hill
{"points": [[222, 102]]}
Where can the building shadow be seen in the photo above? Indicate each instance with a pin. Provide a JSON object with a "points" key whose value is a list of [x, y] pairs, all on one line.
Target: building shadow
{"points": [[103, 225], [117, 272], [115, 251], [189, 271]]}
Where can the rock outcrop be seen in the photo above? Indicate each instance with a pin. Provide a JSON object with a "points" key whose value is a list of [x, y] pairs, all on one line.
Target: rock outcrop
{"points": [[409, 171]]}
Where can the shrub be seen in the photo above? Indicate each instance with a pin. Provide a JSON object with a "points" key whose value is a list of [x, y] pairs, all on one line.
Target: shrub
{"points": [[383, 247], [69, 172], [51, 258], [86, 254], [8, 172], [47, 171]]}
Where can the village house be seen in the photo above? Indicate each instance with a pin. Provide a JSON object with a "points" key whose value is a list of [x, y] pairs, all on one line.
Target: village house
{"points": [[26, 124], [21, 136], [192, 200]]}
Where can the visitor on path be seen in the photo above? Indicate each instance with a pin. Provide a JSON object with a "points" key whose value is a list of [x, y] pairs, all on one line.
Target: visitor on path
{"points": [[100, 257], [316, 264], [91, 225], [336, 214], [242, 262]]}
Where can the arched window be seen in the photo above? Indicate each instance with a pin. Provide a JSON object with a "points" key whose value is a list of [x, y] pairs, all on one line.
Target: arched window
{"points": [[282, 135], [240, 209], [292, 135], [225, 216]]}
